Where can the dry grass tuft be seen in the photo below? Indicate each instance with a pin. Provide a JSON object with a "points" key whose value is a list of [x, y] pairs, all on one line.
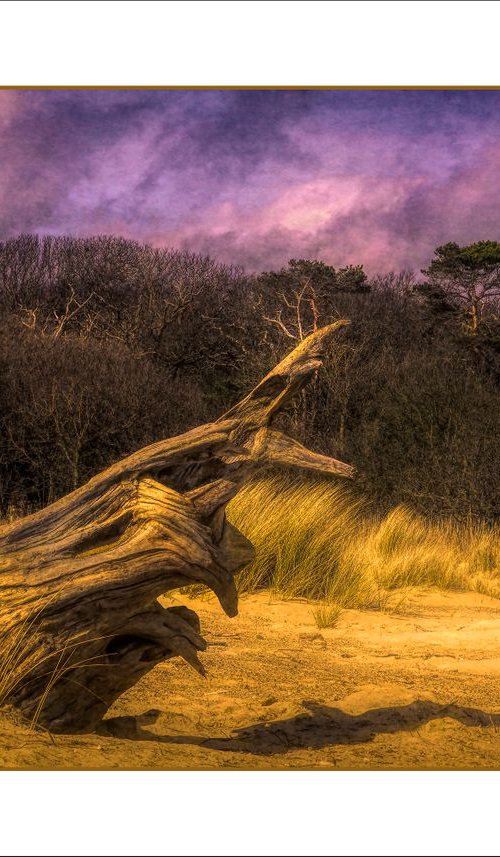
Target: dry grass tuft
{"points": [[327, 615], [17, 659], [20, 661], [314, 541]]}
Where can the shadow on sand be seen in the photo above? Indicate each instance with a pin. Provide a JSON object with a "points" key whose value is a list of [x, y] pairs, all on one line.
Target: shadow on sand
{"points": [[319, 727]]}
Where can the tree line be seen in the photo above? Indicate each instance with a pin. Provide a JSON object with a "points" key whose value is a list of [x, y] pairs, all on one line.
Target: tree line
{"points": [[107, 345]]}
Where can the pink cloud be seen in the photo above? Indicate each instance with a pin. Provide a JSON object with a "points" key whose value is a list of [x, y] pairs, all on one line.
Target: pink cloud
{"points": [[302, 220], [387, 223]]}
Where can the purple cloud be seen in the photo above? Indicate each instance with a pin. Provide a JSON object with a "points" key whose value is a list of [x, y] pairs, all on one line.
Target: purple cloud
{"points": [[256, 177]]}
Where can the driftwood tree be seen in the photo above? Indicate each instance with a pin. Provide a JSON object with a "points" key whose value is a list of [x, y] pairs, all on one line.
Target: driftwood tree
{"points": [[80, 579]]}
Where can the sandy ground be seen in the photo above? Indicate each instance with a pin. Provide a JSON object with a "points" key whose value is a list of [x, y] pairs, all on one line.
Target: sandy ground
{"points": [[418, 688]]}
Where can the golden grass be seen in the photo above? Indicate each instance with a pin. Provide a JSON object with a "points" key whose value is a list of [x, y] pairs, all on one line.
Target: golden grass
{"points": [[313, 540], [17, 659], [327, 615], [20, 661]]}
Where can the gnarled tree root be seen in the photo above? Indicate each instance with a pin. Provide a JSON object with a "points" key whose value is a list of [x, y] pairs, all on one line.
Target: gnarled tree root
{"points": [[79, 580]]}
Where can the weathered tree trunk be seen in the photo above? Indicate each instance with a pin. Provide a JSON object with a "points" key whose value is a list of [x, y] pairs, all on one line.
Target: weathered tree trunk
{"points": [[79, 580]]}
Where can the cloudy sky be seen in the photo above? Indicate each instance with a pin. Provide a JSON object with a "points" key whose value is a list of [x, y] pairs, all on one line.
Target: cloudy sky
{"points": [[256, 177]]}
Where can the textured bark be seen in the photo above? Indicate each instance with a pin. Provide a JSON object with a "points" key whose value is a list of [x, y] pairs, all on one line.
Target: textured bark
{"points": [[79, 580]]}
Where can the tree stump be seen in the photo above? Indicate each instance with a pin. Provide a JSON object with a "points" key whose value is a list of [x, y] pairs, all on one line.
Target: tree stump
{"points": [[80, 579]]}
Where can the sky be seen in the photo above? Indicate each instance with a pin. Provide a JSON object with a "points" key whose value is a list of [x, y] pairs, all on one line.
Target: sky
{"points": [[254, 178]]}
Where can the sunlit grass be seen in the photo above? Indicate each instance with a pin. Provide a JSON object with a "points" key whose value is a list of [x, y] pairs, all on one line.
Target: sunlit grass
{"points": [[313, 540], [327, 615], [18, 660], [21, 662]]}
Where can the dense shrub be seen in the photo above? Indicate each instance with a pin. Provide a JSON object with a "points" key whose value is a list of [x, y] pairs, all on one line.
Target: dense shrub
{"points": [[107, 345]]}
